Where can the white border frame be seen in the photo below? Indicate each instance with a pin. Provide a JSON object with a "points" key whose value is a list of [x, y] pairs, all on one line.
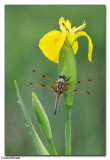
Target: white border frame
{"points": [[2, 69]]}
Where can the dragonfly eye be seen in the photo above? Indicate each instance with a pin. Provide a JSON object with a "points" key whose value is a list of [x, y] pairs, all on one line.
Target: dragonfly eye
{"points": [[62, 76]]}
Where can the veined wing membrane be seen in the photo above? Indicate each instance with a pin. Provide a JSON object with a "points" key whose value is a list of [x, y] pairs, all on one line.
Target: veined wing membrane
{"points": [[44, 77], [77, 91], [78, 82], [42, 85]]}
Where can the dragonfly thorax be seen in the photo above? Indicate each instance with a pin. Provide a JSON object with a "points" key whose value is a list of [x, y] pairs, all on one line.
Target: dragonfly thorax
{"points": [[60, 85], [61, 80]]}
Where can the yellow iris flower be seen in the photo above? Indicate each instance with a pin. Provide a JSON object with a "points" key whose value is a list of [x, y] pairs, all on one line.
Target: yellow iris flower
{"points": [[52, 42]]}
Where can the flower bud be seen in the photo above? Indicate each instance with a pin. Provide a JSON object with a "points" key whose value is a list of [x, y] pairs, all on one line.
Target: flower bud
{"points": [[67, 67], [41, 117]]}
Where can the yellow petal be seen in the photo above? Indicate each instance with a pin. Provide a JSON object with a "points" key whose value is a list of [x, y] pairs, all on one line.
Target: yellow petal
{"points": [[78, 29], [75, 46], [62, 25], [51, 44], [68, 25], [90, 45], [65, 26], [73, 30]]}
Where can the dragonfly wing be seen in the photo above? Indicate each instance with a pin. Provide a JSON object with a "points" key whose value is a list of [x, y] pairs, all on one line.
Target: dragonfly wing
{"points": [[78, 93], [44, 77], [80, 88], [78, 82], [42, 85]]}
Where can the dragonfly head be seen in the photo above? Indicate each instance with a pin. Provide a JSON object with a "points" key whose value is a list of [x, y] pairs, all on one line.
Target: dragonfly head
{"points": [[62, 76]]}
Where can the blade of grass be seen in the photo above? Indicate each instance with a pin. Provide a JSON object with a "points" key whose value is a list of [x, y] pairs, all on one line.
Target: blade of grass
{"points": [[41, 150]]}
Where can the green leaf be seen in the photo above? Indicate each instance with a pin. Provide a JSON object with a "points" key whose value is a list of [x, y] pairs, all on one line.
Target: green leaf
{"points": [[41, 150], [41, 117], [67, 67]]}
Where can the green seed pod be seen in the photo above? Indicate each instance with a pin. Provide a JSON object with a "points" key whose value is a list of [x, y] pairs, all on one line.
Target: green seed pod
{"points": [[41, 117], [67, 67]]}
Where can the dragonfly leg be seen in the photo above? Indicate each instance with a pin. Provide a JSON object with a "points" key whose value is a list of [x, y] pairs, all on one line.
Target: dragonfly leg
{"points": [[68, 79]]}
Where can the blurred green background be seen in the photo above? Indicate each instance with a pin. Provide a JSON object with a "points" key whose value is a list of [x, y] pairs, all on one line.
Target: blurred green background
{"points": [[24, 27]]}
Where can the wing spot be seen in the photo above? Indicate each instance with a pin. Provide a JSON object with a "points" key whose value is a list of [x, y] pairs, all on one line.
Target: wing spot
{"points": [[33, 70], [43, 85], [78, 81], [43, 76], [88, 92]]}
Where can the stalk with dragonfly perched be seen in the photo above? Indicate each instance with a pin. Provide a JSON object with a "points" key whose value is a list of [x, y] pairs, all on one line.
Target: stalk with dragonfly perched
{"points": [[61, 48]]}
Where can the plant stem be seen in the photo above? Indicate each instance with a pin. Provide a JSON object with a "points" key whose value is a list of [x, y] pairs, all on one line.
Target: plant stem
{"points": [[53, 147], [68, 130]]}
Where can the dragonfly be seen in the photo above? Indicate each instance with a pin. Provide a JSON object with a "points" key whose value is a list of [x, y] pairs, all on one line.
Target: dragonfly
{"points": [[60, 86]]}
